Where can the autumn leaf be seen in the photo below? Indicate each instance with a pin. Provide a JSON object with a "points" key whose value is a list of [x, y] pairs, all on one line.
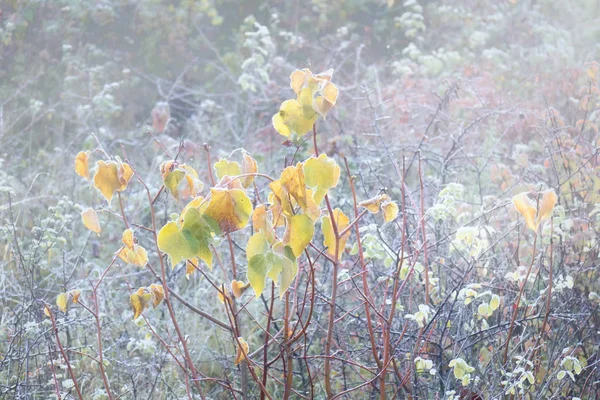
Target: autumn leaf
{"points": [[238, 288], [390, 211], [139, 301], [291, 119], [132, 253], [61, 302], [158, 294], [321, 174], [383, 203], [290, 189], [174, 174], [262, 223], [242, 350], [81, 164], [533, 213], [112, 177], [546, 205], [74, 295], [172, 180], [341, 221], [249, 166], [222, 294], [224, 167], [306, 84], [91, 221], [231, 208], [299, 232], [292, 180], [127, 238], [190, 267]]}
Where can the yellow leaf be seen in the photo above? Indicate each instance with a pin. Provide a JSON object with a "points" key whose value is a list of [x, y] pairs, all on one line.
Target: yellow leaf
{"points": [[262, 223], [390, 211], [298, 233], [158, 294], [292, 181], [47, 311], [546, 206], [321, 174], [189, 267], [227, 168], [220, 295], [81, 164], [139, 302], [526, 208], [111, 177], [238, 288], [329, 241], [195, 185], [136, 256], [299, 79], [61, 302], [127, 238], [230, 208], [242, 350], [249, 166], [91, 221], [291, 118], [373, 205]]}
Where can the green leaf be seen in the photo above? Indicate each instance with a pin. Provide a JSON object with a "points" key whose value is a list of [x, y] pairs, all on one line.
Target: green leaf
{"points": [[258, 266], [257, 244], [191, 240]]}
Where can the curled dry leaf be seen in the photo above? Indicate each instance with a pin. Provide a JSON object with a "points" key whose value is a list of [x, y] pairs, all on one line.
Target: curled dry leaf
{"points": [[158, 294], [91, 221], [139, 301], [384, 203], [131, 252], [111, 177], [249, 166], [174, 174], [238, 288], [535, 212], [242, 350], [81, 164]]}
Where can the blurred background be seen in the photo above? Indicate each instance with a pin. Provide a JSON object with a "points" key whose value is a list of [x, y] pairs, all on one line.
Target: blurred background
{"points": [[477, 89]]}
